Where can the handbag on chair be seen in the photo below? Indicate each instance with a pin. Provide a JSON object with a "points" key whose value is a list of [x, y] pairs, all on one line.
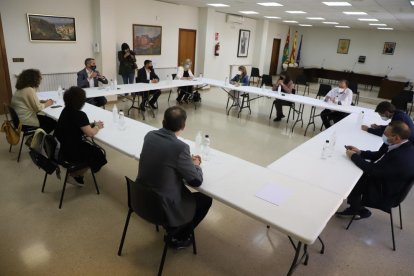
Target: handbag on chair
{"points": [[12, 134]]}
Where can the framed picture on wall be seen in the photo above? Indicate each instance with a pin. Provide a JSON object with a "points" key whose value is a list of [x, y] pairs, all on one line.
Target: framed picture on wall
{"points": [[243, 47], [51, 28], [343, 46], [389, 48], [146, 39]]}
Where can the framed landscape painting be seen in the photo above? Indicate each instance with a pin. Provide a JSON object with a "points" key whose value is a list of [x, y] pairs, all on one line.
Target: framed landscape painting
{"points": [[389, 48], [51, 28], [343, 46], [243, 46], [146, 39]]}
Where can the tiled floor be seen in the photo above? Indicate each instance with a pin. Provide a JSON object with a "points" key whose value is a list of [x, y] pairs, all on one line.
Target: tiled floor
{"points": [[36, 238]]}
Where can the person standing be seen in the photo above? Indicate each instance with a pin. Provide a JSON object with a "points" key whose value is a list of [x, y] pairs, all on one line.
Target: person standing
{"points": [[89, 77], [127, 64], [147, 75]]}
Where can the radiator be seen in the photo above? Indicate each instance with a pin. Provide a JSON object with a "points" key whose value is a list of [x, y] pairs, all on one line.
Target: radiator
{"points": [[51, 82]]}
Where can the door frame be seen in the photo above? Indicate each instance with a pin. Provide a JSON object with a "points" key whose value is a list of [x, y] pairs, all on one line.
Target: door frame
{"points": [[179, 47], [278, 56], [7, 93]]}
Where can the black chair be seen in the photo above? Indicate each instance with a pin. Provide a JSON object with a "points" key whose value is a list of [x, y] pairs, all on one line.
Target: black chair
{"points": [[178, 89], [301, 80], [267, 80], [26, 130], [388, 209], [50, 164], [136, 96], [291, 108], [402, 100], [147, 204], [354, 87], [255, 73], [322, 92]]}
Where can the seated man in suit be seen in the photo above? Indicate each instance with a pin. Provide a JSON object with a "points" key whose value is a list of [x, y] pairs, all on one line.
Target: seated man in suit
{"points": [[388, 111], [166, 166], [386, 174], [89, 77], [146, 74], [340, 95]]}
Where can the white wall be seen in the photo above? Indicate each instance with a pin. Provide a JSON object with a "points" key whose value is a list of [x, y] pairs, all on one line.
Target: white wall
{"points": [[321, 43], [47, 57], [279, 31]]}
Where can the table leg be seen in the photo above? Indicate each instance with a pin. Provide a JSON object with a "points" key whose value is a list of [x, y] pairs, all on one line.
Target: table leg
{"points": [[311, 119], [300, 116], [295, 262]]}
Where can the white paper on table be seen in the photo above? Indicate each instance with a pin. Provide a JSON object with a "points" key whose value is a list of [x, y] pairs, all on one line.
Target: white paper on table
{"points": [[274, 193]]}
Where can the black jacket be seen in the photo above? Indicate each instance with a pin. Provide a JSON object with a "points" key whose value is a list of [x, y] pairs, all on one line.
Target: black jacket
{"points": [[142, 75], [83, 82], [126, 65]]}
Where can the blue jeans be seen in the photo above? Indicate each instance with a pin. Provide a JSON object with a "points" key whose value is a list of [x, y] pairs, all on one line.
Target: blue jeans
{"points": [[128, 78]]}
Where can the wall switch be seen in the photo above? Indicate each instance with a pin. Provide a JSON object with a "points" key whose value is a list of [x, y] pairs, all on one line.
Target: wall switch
{"points": [[18, 59]]}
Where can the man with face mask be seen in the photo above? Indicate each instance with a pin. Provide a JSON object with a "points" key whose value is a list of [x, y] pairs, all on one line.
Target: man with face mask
{"points": [[386, 172], [388, 111], [89, 77], [184, 73], [147, 75], [341, 95]]}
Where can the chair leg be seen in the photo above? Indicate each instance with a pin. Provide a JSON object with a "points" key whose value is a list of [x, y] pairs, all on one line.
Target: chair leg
{"points": [[10, 148], [271, 110], [194, 242], [164, 254], [399, 209], [63, 189], [96, 184], [20, 150], [169, 95], [352, 219], [121, 244], [392, 231], [44, 183]]}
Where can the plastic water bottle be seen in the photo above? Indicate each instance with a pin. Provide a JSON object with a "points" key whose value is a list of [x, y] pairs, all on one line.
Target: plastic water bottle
{"points": [[198, 142], [60, 92], [115, 113], [121, 121], [206, 147], [332, 144], [226, 81], [361, 118], [200, 76], [279, 89], [115, 84], [111, 84], [264, 87], [325, 150]]}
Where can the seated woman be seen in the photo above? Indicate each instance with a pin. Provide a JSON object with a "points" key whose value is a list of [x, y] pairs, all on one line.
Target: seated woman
{"points": [[72, 126], [184, 73], [241, 79], [286, 85], [27, 105]]}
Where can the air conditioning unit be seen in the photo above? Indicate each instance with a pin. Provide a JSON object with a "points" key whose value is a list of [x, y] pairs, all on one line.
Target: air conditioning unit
{"points": [[234, 19]]}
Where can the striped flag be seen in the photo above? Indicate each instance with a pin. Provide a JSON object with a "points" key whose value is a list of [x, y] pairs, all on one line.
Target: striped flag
{"points": [[300, 48], [286, 49], [292, 53]]}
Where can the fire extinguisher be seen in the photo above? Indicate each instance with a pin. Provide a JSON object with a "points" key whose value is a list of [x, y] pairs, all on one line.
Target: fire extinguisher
{"points": [[217, 49]]}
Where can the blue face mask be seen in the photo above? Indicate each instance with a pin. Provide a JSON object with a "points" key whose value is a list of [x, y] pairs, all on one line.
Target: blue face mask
{"points": [[385, 139]]}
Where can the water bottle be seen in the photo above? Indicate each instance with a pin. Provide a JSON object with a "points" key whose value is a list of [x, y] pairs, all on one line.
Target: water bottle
{"points": [[279, 89], [325, 150], [264, 87], [60, 92], [200, 76], [111, 84], [115, 113], [361, 118], [226, 81], [206, 147], [121, 121], [332, 144], [115, 84], [198, 142]]}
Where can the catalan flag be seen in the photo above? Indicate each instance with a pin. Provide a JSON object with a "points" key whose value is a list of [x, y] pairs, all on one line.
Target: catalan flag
{"points": [[285, 58], [292, 53]]}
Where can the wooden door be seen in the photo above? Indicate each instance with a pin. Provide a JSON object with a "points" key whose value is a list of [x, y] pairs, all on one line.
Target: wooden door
{"points": [[5, 87], [186, 46], [274, 62]]}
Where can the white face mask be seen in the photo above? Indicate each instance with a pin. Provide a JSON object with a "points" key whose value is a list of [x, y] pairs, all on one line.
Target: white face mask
{"points": [[341, 90], [240, 73], [385, 139], [385, 118]]}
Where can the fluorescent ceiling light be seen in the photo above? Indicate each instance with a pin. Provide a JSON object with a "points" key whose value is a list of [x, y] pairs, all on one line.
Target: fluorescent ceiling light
{"points": [[305, 25], [337, 4], [343, 27], [377, 24], [412, 3], [315, 18], [290, 21], [272, 17], [295, 12], [381, 28], [330, 23], [368, 19], [355, 13], [270, 4], [248, 12], [218, 5]]}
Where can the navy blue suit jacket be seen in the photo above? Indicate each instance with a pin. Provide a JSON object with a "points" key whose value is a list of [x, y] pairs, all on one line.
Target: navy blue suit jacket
{"points": [[398, 116]]}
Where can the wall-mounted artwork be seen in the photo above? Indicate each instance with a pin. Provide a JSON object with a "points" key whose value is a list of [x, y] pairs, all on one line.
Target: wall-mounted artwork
{"points": [[51, 28], [389, 48], [146, 39], [343, 46], [243, 47]]}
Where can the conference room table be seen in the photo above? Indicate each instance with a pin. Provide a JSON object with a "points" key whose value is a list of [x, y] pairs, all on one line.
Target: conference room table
{"points": [[236, 182]]}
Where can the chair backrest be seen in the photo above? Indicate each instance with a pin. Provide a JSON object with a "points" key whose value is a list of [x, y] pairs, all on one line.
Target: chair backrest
{"points": [[145, 202], [407, 95], [255, 72], [401, 100], [267, 80], [13, 114], [323, 90], [301, 80], [173, 76], [354, 87], [50, 145], [404, 192]]}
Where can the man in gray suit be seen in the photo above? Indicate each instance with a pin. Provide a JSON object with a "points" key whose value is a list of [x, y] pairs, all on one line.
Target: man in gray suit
{"points": [[89, 77], [165, 166]]}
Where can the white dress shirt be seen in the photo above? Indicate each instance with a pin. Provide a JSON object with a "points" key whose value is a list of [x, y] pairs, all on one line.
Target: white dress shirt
{"points": [[341, 96]]}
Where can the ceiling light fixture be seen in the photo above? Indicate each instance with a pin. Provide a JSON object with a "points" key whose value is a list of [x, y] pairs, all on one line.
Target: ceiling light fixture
{"points": [[368, 19], [389, 29], [343, 27], [377, 24], [330, 23], [270, 4], [315, 18], [218, 5], [290, 21], [337, 4], [305, 25], [354, 13], [272, 17], [412, 3], [295, 12], [248, 12]]}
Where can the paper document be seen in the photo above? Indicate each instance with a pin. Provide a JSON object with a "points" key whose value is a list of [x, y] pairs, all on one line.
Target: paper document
{"points": [[274, 193]]}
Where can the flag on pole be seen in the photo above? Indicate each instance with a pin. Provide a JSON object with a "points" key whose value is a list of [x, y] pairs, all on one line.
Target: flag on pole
{"points": [[292, 53], [286, 49], [300, 48]]}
